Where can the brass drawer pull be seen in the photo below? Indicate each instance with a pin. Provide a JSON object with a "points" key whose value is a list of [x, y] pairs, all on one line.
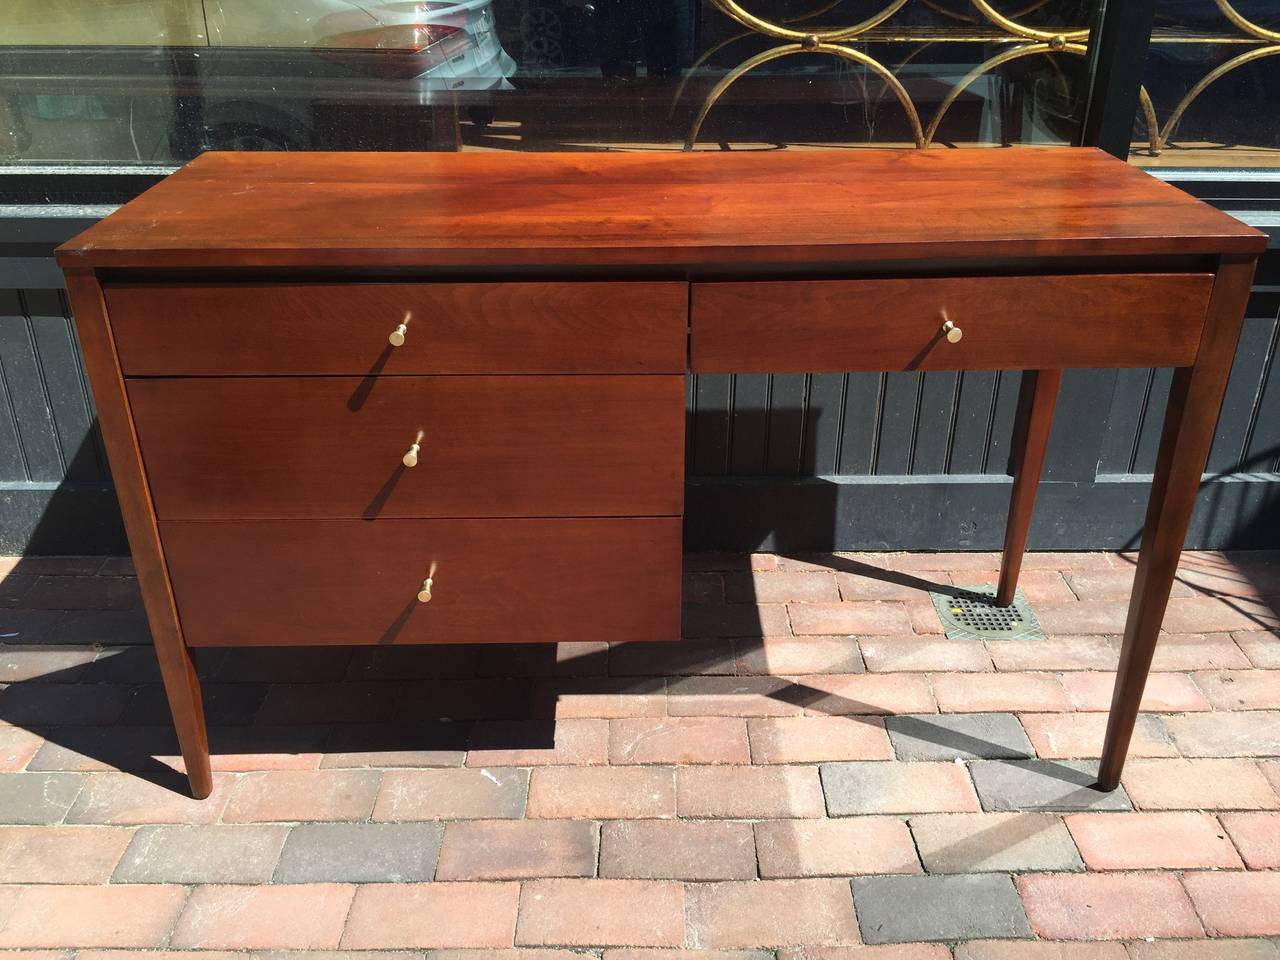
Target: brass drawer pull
{"points": [[424, 594], [410, 459], [396, 339], [952, 332]]}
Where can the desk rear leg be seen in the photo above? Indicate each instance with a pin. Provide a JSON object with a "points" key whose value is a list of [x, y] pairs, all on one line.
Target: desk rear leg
{"points": [[1036, 399]]}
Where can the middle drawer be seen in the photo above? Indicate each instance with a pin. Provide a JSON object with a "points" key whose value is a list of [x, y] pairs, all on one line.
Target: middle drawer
{"points": [[489, 446]]}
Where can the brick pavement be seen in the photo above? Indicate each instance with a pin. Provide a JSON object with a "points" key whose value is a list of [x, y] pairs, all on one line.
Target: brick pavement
{"points": [[815, 774]]}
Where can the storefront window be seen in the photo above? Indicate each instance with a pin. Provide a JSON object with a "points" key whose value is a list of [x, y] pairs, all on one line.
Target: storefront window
{"points": [[1211, 95], [157, 81]]}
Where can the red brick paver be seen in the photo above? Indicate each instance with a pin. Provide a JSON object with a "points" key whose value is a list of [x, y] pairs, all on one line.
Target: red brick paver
{"points": [[679, 740], [771, 913], [835, 848], [98, 916], [1199, 784], [1067, 735], [401, 916], [1039, 950], [601, 913], [678, 849], [125, 798], [1108, 906], [1140, 841], [1256, 836], [818, 739], [603, 793], [999, 692], [1169, 692], [302, 917], [749, 792], [704, 800], [303, 795], [856, 616], [1237, 904], [31, 854]]}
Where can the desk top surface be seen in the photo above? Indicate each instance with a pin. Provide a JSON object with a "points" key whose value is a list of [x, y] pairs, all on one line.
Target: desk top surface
{"points": [[702, 209]]}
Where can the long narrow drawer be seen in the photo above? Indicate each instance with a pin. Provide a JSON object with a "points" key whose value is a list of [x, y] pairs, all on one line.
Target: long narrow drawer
{"points": [[1012, 323], [285, 583], [252, 328], [333, 447]]}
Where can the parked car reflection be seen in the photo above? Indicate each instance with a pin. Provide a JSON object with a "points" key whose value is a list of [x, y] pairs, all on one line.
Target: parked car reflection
{"points": [[129, 79]]}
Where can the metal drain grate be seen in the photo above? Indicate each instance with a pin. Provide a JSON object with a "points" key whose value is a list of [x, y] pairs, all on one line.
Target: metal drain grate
{"points": [[970, 613]]}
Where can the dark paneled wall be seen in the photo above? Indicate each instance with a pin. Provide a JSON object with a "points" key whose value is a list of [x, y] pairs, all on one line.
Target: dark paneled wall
{"points": [[857, 424], [55, 486], [920, 460], [794, 461]]}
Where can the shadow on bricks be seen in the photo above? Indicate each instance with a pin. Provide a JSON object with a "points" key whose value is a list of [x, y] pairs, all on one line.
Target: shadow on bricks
{"points": [[439, 700]]}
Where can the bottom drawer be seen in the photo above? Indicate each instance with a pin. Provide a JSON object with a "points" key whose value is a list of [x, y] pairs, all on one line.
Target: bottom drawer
{"points": [[302, 582]]}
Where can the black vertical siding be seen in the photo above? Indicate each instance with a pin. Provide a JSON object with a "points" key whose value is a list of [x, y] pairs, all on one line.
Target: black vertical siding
{"points": [[801, 461], [55, 493]]}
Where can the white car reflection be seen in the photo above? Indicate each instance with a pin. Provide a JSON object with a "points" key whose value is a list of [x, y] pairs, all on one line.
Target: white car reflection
{"points": [[108, 78]]}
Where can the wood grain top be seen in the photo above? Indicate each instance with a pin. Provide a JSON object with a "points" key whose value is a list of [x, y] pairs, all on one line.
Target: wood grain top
{"points": [[565, 210]]}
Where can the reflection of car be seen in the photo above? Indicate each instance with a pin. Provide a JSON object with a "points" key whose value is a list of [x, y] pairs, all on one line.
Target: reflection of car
{"points": [[447, 44], [552, 34], [266, 74]]}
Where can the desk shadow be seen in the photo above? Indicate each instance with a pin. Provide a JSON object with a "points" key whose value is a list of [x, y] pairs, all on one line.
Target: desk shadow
{"points": [[390, 705], [379, 499], [381, 706], [365, 387]]}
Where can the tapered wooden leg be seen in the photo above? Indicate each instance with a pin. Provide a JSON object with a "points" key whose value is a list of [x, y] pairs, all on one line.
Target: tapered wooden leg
{"points": [[176, 667], [1195, 398], [182, 687], [1036, 399]]}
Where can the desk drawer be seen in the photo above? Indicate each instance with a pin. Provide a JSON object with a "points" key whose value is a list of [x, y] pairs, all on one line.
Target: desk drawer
{"points": [[320, 447], [229, 329], [356, 582], [1017, 323]]}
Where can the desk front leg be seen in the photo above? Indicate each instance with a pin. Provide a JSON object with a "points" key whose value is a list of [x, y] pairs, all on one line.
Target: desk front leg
{"points": [[1195, 399], [177, 668]]}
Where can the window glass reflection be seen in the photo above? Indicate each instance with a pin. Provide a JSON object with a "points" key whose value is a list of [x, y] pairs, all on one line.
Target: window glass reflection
{"points": [[1211, 86], [158, 81]]}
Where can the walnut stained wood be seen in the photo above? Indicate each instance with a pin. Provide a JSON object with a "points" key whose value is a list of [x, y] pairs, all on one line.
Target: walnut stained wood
{"points": [[331, 447], [503, 210], [178, 670], [495, 581], [1010, 323], [1037, 396], [269, 328], [239, 361]]}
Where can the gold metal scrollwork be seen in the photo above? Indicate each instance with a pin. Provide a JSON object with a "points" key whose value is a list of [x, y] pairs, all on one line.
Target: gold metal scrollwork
{"points": [[1024, 40], [1002, 57], [937, 7], [1244, 25], [1161, 140], [732, 9], [791, 49], [1020, 30], [834, 42], [734, 38], [1160, 135]]}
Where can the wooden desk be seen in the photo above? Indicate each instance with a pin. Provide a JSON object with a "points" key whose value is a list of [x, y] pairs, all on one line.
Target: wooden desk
{"points": [[289, 476]]}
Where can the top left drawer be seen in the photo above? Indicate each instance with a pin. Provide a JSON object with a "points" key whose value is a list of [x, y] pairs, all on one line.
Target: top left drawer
{"points": [[249, 329]]}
